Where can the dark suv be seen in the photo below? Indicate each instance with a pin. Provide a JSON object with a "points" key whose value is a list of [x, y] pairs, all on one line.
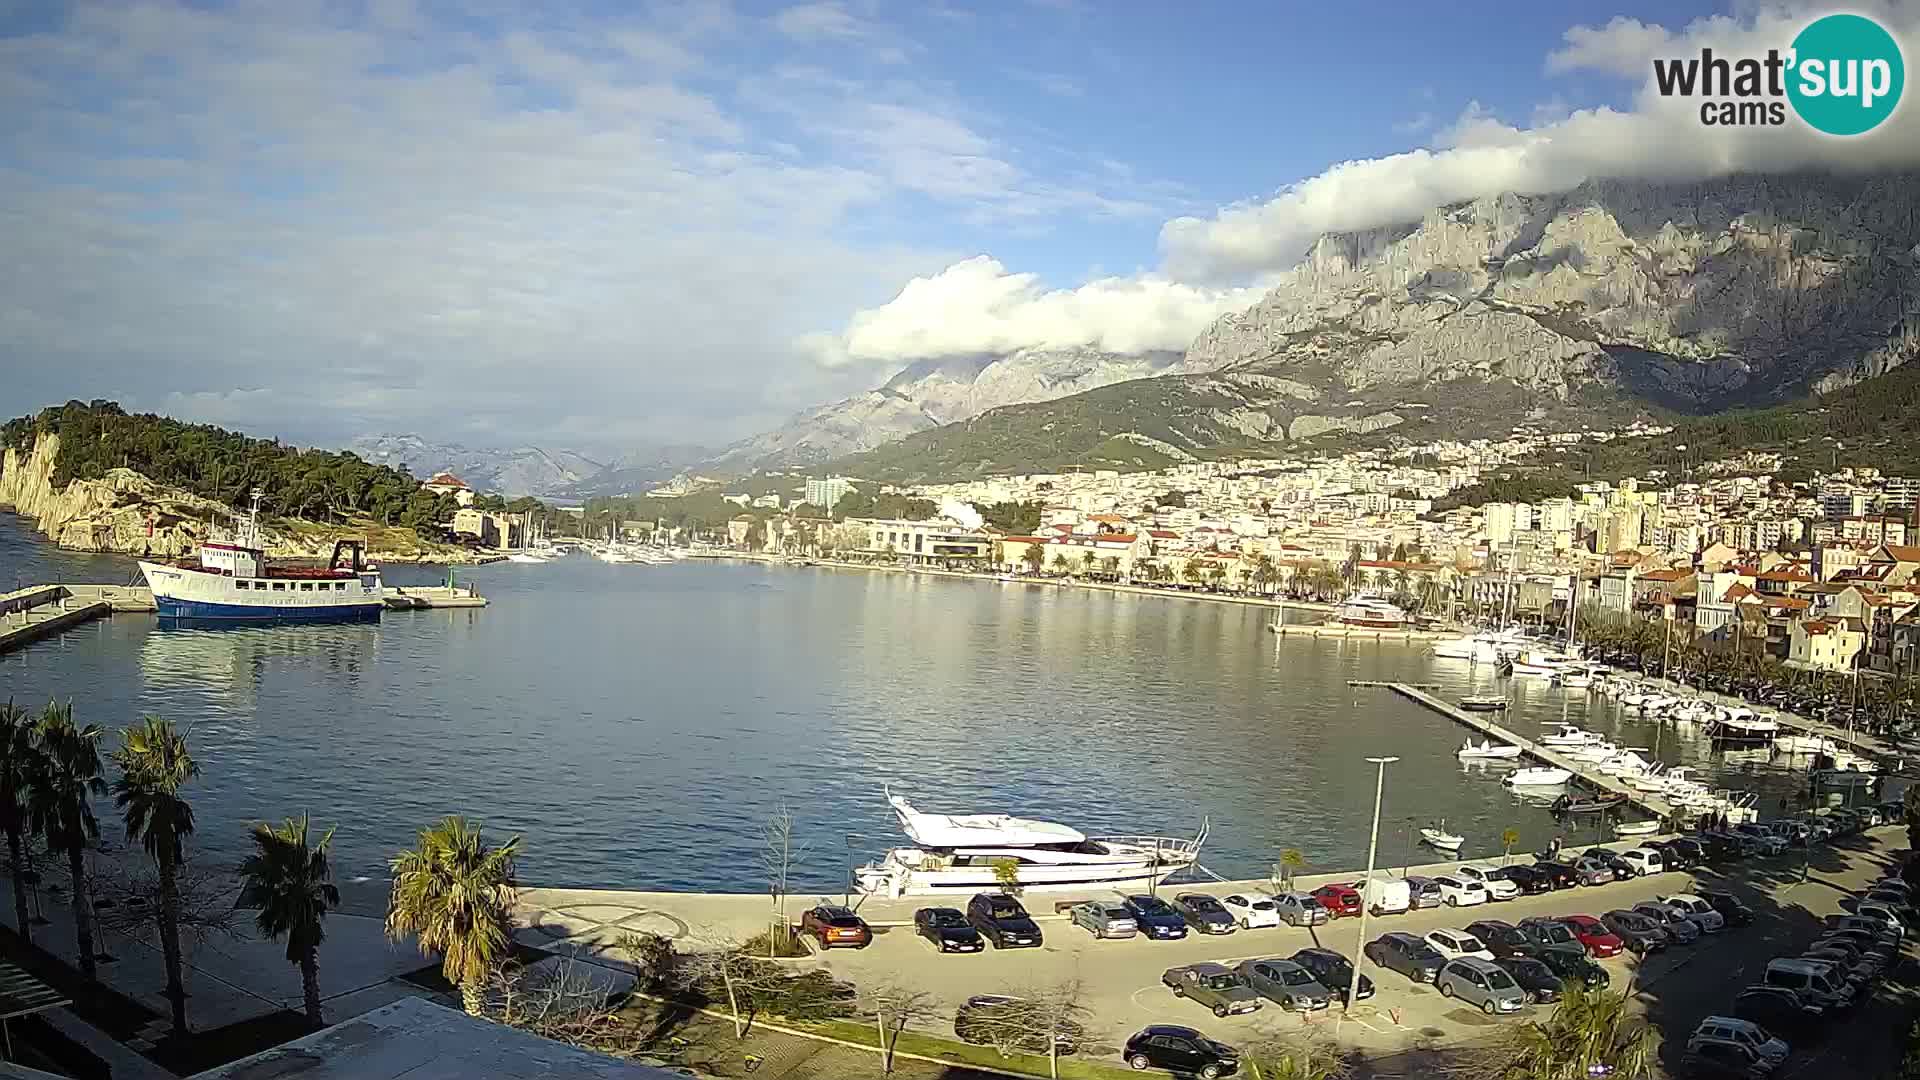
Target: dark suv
{"points": [[1155, 917], [1001, 920], [1503, 939], [1182, 1051]]}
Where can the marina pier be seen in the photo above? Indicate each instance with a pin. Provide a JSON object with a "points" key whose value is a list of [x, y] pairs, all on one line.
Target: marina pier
{"points": [[39, 611], [1650, 803]]}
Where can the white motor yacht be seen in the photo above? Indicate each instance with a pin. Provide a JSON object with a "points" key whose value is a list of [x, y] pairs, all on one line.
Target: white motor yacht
{"points": [[1804, 744], [1538, 664], [1537, 776], [1744, 726], [1365, 609], [1485, 749], [1569, 735], [961, 853]]}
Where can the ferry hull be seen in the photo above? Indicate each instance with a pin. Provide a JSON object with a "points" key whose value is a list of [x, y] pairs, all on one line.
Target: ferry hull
{"points": [[201, 610]]}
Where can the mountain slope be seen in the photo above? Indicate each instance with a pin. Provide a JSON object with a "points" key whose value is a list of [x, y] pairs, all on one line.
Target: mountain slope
{"points": [[526, 470], [934, 392], [1605, 302]]}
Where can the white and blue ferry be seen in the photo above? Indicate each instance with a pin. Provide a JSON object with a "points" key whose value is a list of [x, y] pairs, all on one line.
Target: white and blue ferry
{"points": [[233, 582]]}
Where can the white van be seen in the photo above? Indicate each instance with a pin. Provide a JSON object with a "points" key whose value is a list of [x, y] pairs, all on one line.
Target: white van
{"points": [[1815, 982], [1645, 861], [1386, 896]]}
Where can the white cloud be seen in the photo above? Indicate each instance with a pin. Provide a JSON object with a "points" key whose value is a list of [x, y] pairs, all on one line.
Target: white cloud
{"points": [[1658, 139], [977, 307]]}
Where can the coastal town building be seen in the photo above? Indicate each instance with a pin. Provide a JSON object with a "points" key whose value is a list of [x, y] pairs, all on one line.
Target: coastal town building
{"points": [[827, 493], [445, 483]]}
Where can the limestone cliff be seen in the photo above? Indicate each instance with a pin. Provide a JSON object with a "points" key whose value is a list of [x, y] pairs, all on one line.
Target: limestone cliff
{"points": [[127, 513]]}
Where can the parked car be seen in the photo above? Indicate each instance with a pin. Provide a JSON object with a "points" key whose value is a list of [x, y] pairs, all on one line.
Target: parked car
{"points": [[1155, 917], [1503, 939], [1579, 934], [1001, 920], [1592, 871], [983, 1018], [1558, 875], [1299, 909], [1104, 919], [1891, 934], [1528, 879], [1333, 971], [1454, 944], [1771, 843], [1882, 914], [1697, 909], [1622, 869], [1640, 934], [1204, 913], [1460, 892], [835, 927], [1816, 983], [1728, 905], [1480, 982], [1691, 851], [1778, 1009], [1215, 986], [1253, 910], [1181, 1050], [947, 929], [1676, 855], [1745, 1032], [1407, 955], [1426, 892], [1895, 900], [1575, 967], [1286, 984], [1867, 943], [1497, 887], [1850, 965], [1679, 925], [1386, 896], [1645, 861], [1726, 1061], [1339, 900], [1538, 981]]}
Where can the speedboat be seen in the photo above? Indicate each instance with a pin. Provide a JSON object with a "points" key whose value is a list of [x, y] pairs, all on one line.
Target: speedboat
{"points": [[1537, 776], [1437, 836], [1483, 703], [1487, 749], [1744, 726], [1804, 744], [1592, 804], [1569, 735], [525, 557], [956, 854], [1541, 665], [1636, 828]]}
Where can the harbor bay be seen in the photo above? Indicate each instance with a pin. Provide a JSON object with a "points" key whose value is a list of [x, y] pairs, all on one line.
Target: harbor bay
{"points": [[640, 724]]}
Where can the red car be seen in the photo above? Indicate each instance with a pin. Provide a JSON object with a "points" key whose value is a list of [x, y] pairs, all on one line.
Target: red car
{"points": [[1589, 931], [833, 925], [1339, 900]]}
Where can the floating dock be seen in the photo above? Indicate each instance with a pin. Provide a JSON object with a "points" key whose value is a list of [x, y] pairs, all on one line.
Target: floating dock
{"points": [[27, 615], [415, 597], [1652, 804]]}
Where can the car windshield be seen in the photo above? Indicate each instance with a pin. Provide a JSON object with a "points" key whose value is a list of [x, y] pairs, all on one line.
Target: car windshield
{"points": [[847, 921], [1530, 968], [947, 919], [1507, 936], [1204, 904], [1498, 980], [1295, 977], [1468, 943], [1262, 905], [1309, 902], [1007, 911], [1554, 933], [1223, 981], [1633, 922], [1149, 905], [1116, 913]]}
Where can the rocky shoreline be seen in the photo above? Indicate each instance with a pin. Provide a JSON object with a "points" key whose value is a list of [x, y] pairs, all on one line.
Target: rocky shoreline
{"points": [[125, 513]]}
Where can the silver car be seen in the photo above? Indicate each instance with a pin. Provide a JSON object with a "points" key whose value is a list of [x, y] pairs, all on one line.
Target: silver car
{"points": [[1104, 919], [1286, 984], [1482, 983], [1300, 909], [1682, 929]]}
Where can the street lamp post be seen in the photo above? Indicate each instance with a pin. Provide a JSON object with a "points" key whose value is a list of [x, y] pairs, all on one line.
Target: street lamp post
{"points": [[1373, 848]]}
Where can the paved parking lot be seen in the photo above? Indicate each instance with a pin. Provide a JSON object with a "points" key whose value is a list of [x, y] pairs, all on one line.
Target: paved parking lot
{"points": [[1122, 989]]}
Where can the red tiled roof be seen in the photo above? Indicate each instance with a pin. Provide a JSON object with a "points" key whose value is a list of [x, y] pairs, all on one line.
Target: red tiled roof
{"points": [[446, 479], [1782, 574], [1666, 575], [1815, 626], [1904, 552], [1163, 534], [1111, 519]]}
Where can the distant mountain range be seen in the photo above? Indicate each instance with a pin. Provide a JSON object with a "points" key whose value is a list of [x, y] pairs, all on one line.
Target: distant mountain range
{"points": [[529, 470]]}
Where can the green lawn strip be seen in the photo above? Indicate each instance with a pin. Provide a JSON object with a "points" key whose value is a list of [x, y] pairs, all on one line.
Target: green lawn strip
{"points": [[986, 1057]]}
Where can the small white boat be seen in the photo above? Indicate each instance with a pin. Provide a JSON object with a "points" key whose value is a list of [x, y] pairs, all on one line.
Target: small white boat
{"points": [[1484, 703], [524, 557], [1436, 835], [1804, 744], [1537, 776], [1487, 748], [1568, 735], [1636, 828]]}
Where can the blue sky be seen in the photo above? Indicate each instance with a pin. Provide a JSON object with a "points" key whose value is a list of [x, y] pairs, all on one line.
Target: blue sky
{"points": [[614, 223]]}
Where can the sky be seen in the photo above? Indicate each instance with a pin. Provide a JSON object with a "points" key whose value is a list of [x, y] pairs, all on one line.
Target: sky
{"points": [[620, 223]]}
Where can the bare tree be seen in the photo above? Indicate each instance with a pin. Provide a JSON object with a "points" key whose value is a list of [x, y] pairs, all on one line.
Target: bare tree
{"points": [[896, 1005], [1285, 1057], [566, 1000], [1035, 1019], [743, 978], [780, 856], [127, 901]]}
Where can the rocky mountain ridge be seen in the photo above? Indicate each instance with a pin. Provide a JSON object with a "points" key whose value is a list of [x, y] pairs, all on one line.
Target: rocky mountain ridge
{"points": [[525, 470], [1603, 302]]}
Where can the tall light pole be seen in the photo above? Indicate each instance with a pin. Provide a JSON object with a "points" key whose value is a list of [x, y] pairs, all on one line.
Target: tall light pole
{"points": [[1373, 848]]}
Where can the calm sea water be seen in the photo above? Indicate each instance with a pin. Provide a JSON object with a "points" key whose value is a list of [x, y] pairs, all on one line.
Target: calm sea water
{"points": [[638, 724]]}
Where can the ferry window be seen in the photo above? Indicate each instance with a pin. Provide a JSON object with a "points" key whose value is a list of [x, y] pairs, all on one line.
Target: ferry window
{"points": [[239, 584], [339, 586], [279, 586], [306, 586]]}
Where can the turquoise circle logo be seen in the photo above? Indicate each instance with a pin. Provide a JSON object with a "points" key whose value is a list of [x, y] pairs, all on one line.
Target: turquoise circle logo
{"points": [[1847, 74]]}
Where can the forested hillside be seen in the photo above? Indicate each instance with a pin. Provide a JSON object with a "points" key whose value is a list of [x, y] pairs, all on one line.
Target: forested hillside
{"points": [[218, 464]]}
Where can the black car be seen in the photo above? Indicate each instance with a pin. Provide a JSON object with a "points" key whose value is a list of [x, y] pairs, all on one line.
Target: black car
{"points": [[1622, 869], [1779, 1009], [1728, 905], [1155, 917], [1575, 967], [1690, 849], [1534, 976], [1001, 920], [1503, 939], [1559, 875], [1181, 1050], [1528, 879], [1725, 1061], [948, 929], [1720, 848], [1407, 955], [1551, 934], [1676, 856], [1332, 971], [998, 1018], [1204, 913]]}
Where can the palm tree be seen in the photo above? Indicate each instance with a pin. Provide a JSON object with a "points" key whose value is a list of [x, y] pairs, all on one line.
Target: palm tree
{"points": [[455, 893], [291, 885], [1291, 860], [19, 753], [1589, 1034], [1507, 840], [154, 766], [59, 799]]}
